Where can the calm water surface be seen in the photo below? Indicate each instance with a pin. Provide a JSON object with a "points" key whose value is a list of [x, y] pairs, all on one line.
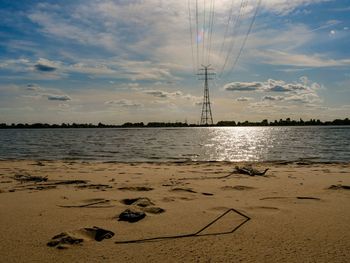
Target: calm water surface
{"points": [[321, 144]]}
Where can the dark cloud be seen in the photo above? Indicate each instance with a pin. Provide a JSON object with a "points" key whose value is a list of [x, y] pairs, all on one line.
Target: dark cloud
{"points": [[163, 94], [279, 89], [157, 93], [44, 68], [124, 103], [243, 86], [296, 87], [273, 98], [32, 87], [58, 97]]}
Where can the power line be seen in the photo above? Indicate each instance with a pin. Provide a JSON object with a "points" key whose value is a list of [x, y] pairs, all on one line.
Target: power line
{"points": [[211, 29], [227, 27], [237, 24], [246, 36], [191, 35], [203, 31], [197, 33]]}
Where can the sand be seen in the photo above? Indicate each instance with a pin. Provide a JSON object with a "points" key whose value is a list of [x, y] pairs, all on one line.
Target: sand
{"points": [[294, 217]]}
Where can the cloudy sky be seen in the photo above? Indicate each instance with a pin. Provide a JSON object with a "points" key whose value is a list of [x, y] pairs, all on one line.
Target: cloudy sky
{"points": [[137, 60]]}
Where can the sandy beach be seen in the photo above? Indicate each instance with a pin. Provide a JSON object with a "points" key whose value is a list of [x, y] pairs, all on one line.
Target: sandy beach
{"points": [[297, 212]]}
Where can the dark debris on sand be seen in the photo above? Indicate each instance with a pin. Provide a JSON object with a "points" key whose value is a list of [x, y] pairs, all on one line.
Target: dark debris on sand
{"points": [[131, 215], [250, 171], [136, 188], [339, 187], [29, 178]]}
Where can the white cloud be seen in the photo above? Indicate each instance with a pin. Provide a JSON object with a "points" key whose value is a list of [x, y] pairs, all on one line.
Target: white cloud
{"points": [[112, 68], [275, 57], [14, 64], [270, 85], [154, 29], [296, 92], [244, 99], [328, 24], [34, 91], [284, 7]]}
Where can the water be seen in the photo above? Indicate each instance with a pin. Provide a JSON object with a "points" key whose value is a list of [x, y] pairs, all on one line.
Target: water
{"points": [[320, 144]]}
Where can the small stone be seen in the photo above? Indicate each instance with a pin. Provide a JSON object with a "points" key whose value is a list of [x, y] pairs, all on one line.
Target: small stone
{"points": [[131, 216]]}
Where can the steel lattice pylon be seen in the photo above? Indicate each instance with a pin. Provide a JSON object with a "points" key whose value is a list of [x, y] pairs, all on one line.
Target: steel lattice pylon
{"points": [[206, 116]]}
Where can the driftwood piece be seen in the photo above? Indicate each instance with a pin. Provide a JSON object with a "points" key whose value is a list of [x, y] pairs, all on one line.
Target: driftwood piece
{"points": [[250, 171], [57, 182], [339, 187], [29, 178], [86, 205]]}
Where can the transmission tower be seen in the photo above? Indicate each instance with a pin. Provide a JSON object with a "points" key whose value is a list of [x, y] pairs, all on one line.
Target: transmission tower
{"points": [[206, 116]]}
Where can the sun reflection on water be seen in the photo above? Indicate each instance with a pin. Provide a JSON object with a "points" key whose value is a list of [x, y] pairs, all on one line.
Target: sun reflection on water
{"points": [[239, 144]]}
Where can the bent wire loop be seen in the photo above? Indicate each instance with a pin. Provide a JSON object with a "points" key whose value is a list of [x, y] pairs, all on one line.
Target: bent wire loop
{"points": [[196, 234]]}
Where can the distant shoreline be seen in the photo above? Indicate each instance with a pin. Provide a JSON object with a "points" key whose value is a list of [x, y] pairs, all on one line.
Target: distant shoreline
{"points": [[299, 162], [263, 123]]}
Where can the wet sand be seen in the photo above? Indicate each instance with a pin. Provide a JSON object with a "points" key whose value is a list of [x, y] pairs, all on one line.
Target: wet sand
{"points": [[297, 212]]}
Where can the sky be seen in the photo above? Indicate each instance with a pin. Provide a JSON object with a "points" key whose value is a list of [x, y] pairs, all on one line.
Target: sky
{"points": [[90, 61]]}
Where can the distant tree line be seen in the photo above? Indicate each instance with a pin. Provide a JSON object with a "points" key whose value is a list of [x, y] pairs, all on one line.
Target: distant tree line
{"points": [[281, 122], [286, 122]]}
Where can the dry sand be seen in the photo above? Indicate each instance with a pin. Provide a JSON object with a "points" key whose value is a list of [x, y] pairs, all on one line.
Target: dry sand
{"points": [[294, 216]]}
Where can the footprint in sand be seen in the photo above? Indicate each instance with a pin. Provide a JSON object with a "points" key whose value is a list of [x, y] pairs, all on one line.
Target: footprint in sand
{"points": [[139, 201], [144, 203], [67, 239], [169, 199], [153, 210]]}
